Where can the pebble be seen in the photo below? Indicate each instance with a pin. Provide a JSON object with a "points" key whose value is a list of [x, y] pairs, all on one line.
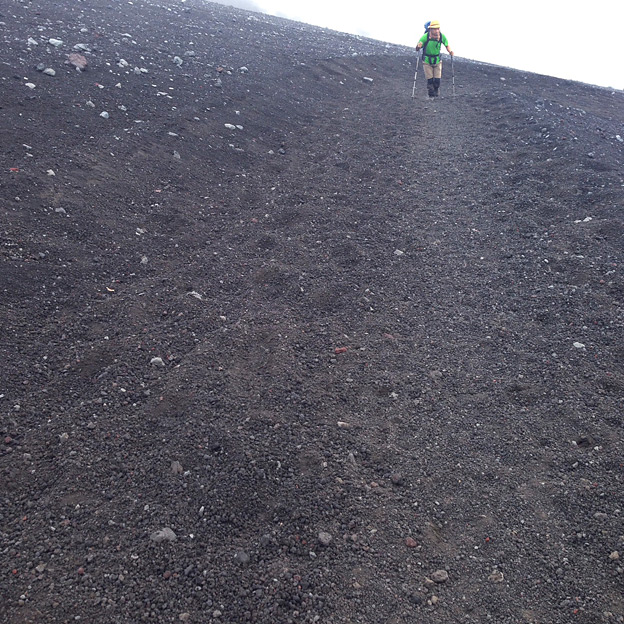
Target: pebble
{"points": [[49, 72], [325, 538], [410, 542], [157, 361], [614, 556], [164, 535], [440, 576], [176, 467], [242, 557], [397, 479], [496, 577]]}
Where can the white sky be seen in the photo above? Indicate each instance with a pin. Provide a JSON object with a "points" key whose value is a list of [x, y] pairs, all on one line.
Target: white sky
{"points": [[546, 37]]}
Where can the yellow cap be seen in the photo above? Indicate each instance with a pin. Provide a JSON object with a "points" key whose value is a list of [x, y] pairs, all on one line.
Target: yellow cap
{"points": [[434, 24]]}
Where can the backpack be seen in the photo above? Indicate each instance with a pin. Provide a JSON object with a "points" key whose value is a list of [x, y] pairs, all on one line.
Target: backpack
{"points": [[424, 49]]}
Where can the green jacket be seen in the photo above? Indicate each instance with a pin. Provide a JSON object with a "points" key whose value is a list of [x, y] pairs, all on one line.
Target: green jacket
{"points": [[432, 54]]}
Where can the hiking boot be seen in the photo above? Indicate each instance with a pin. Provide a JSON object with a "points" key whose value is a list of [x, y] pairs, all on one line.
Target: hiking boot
{"points": [[436, 87], [430, 87]]}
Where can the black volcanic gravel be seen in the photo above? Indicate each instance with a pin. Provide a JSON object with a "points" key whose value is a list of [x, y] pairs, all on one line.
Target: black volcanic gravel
{"points": [[282, 344]]}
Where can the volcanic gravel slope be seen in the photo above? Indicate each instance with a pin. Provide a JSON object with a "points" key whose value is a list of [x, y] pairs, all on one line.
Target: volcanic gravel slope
{"points": [[390, 384]]}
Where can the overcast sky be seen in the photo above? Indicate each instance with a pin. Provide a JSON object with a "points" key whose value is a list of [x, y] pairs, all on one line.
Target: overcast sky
{"points": [[572, 39]]}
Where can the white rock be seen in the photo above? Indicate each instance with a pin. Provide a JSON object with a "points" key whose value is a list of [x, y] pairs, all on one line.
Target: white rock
{"points": [[122, 63], [32, 42], [243, 70], [50, 172], [398, 252], [578, 345], [367, 79], [230, 126], [30, 85], [178, 61], [157, 361], [55, 42], [104, 114], [49, 72], [164, 535]]}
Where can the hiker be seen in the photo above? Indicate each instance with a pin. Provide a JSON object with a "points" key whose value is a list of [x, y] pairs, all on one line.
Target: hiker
{"points": [[431, 44]]}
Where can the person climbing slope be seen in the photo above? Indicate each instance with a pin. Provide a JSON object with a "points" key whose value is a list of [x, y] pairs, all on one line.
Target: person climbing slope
{"points": [[431, 44]]}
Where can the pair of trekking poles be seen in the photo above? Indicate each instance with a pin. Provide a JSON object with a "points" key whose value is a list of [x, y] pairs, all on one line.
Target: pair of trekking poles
{"points": [[416, 75]]}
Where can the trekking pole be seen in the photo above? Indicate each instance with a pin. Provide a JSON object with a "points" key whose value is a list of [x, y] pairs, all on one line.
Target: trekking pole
{"points": [[415, 74], [453, 72]]}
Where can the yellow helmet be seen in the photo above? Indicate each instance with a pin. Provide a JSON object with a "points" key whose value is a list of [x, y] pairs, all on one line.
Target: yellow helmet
{"points": [[434, 24]]}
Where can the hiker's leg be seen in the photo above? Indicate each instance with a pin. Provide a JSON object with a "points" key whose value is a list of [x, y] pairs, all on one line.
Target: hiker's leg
{"points": [[429, 77], [437, 74]]}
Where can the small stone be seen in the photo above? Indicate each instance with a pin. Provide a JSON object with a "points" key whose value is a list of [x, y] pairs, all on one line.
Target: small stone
{"points": [[410, 542], [367, 79], [216, 613], [325, 538], [157, 361], [104, 114], [77, 60], [440, 576], [242, 557], [49, 72], [578, 345], [164, 535], [496, 577], [614, 556], [397, 479], [176, 467], [184, 617]]}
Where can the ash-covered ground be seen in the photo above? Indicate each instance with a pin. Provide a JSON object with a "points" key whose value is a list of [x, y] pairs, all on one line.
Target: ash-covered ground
{"points": [[282, 344]]}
